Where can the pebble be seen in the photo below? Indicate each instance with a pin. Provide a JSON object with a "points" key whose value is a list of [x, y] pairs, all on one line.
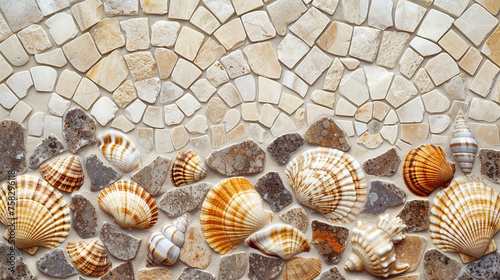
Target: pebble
{"points": [[67, 84], [490, 164], [135, 111], [124, 271], [55, 264], [173, 115], [245, 158], [487, 267], [163, 142], [262, 267], [164, 33], [122, 124], [325, 132], [296, 217], [20, 82], [185, 73], [202, 89], [210, 52], [330, 241], [231, 35], [142, 66], [119, 244], [282, 147], [20, 271], [391, 48], [13, 51], [100, 175], [20, 14], [302, 268], [178, 201], [61, 27], [34, 39], [415, 215], [258, 26], [313, 65], [400, 91], [182, 9], [413, 111], [383, 195], [483, 110], [232, 267], [52, 58], [155, 273], [179, 137], [165, 60], [104, 110], [483, 81], [137, 33], [271, 189], [82, 52], [332, 274], [263, 60], [152, 176], [195, 252], [410, 250], [378, 81], [188, 43], [365, 43], [44, 78], [222, 9], [291, 49], [408, 16], [439, 123], [218, 136], [78, 130], [236, 65], [84, 216], [230, 95], [153, 117], [310, 25], [353, 87], [36, 124], [438, 266], [197, 125], [48, 148], [14, 152], [189, 273], [110, 71]]}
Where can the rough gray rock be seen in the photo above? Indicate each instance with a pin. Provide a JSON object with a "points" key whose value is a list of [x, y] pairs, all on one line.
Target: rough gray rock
{"points": [[83, 216], [332, 274], [120, 245], [100, 175], [487, 267], [490, 164], [329, 240], [326, 133], [245, 158], [49, 147], [78, 130], [12, 149], [415, 215], [189, 273], [438, 266], [55, 264], [152, 176], [296, 217], [124, 271], [282, 147], [271, 189], [385, 164], [383, 195], [232, 267], [13, 269], [183, 199], [263, 267]]}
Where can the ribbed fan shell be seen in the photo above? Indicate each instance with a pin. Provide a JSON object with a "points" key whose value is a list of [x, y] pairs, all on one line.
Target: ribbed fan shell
{"points": [[303, 270], [119, 151], [89, 257], [463, 145], [187, 168], [65, 174]]}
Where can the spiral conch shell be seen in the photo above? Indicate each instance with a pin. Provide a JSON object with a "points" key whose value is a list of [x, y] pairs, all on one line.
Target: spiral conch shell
{"points": [[463, 145], [119, 150], [465, 217], [89, 257], [231, 212], [40, 212], [65, 174], [425, 169], [187, 168], [164, 247], [279, 240], [328, 181], [373, 248], [130, 205]]}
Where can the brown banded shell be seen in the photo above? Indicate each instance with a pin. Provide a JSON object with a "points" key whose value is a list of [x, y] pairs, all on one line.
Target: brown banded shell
{"points": [[164, 247], [231, 212], [463, 145], [465, 217], [119, 150], [279, 240], [89, 257], [187, 168], [65, 174], [328, 181], [425, 169], [41, 213], [130, 205], [302, 268]]}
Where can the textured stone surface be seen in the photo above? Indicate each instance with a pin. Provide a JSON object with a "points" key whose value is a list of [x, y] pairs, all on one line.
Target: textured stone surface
{"points": [[332, 274], [49, 147], [55, 264], [119, 244], [178, 201], [244, 158], [100, 175], [415, 215], [83, 216], [410, 250], [152, 176], [385, 164], [438, 266], [487, 267], [78, 130], [271, 189], [263, 267], [282, 147], [296, 217], [155, 273], [124, 271], [383, 195], [195, 252], [490, 164], [329, 240], [325, 132], [232, 267], [189, 273], [12, 149], [20, 270]]}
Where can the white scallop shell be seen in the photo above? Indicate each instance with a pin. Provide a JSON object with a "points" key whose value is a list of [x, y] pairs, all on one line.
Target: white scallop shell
{"points": [[328, 181], [165, 246], [119, 150], [463, 145]]}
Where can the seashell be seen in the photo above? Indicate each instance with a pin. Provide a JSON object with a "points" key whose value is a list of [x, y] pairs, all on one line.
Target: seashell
{"points": [[302, 268], [373, 247], [465, 217], [119, 150], [279, 240], [328, 181], [187, 168], [130, 205], [40, 212], [65, 174], [463, 145], [164, 247], [425, 169], [231, 212], [89, 257]]}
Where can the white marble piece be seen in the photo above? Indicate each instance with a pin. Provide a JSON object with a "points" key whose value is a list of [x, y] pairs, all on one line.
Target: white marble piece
{"points": [[471, 60], [313, 65], [355, 11], [441, 68], [122, 124], [284, 12], [412, 112], [86, 93], [235, 63], [336, 39], [87, 13], [350, 63], [197, 125], [202, 89], [34, 39], [439, 123], [164, 33], [124, 94], [5, 31], [283, 124], [135, 110], [36, 124], [391, 48], [52, 58], [170, 92], [58, 105], [371, 141], [185, 73], [188, 43], [188, 104], [7, 98], [154, 7], [49, 7], [293, 82], [182, 9], [44, 78], [239, 132], [380, 110], [230, 95], [222, 9], [300, 117], [165, 60], [364, 113], [104, 110], [163, 142], [483, 81], [137, 33], [365, 43], [414, 133], [250, 112], [201, 144], [82, 52], [378, 81], [231, 119], [20, 112], [434, 25], [148, 89], [5, 69], [456, 87], [408, 16], [258, 26], [13, 51], [20, 82], [310, 25], [67, 83], [289, 103], [205, 20], [409, 63], [345, 108], [314, 112], [53, 124], [452, 7], [268, 115], [291, 50], [346, 126], [231, 35], [21, 13], [380, 14], [353, 87], [61, 27], [360, 128], [439, 139], [490, 47], [215, 110], [153, 117], [244, 6], [422, 81], [424, 47], [263, 60], [476, 23], [107, 35], [173, 115], [216, 74], [246, 87], [114, 8], [401, 90], [327, 6], [484, 110], [391, 118], [436, 102], [322, 97], [389, 133], [269, 91]]}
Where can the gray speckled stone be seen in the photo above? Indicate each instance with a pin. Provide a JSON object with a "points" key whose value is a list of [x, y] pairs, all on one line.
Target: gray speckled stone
{"points": [[120, 245], [329, 240], [383, 195], [296, 217], [124, 271], [233, 267], [263, 267], [490, 164], [245, 158], [55, 264], [12, 148], [83, 216], [332, 274], [326, 133], [152, 176], [282, 147], [438, 266], [487, 267], [49, 147], [385, 164], [78, 129], [16, 269], [184, 199], [415, 215], [271, 189], [189, 273], [466, 276], [100, 175]]}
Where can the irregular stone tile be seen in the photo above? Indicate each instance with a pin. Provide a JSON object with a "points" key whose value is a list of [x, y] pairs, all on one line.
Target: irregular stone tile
{"points": [[205, 20], [142, 65], [189, 273], [20, 82], [231, 119], [380, 110], [53, 125], [441, 68], [58, 105], [284, 12], [486, 133], [453, 44], [486, 267], [385, 164], [293, 82], [5, 31], [434, 25], [5, 69], [456, 87], [195, 252], [119, 244], [82, 60], [291, 49], [246, 87], [423, 82], [230, 95], [20, 14], [181, 200], [344, 108], [55, 264], [188, 43], [439, 266], [231, 35], [61, 27], [415, 215], [409, 63], [476, 23], [364, 113], [262, 267], [414, 133], [314, 112], [182, 9], [215, 110], [271, 189], [378, 81], [52, 58], [67, 83], [332, 274], [282, 147], [330, 241], [400, 92], [10, 254], [383, 195], [370, 140], [87, 13], [148, 89], [333, 76], [78, 130], [35, 124], [310, 25], [100, 175], [13, 51], [325, 132], [124, 271], [44, 78], [232, 267], [454, 8], [163, 142], [110, 71], [152, 176], [165, 60], [410, 250], [107, 35], [202, 89], [164, 33], [313, 65], [185, 73], [380, 14], [210, 52], [114, 8], [438, 124], [222, 9], [263, 60], [391, 47], [355, 11], [218, 136], [179, 137], [258, 26], [216, 74], [413, 111], [135, 111], [408, 16], [197, 125], [244, 158], [483, 81], [84, 216], [300, 117], [153, 116], [350, 63], [289, 103], [155, 7], [155, 273], [249, 112], [269, 91], [20, 112], [471, 60], [490, 164], [137, 33], [145, 139], [325, 98], [235, 64], [365, 43], [104, 110], [484, 110], [243, 6], [296, 217], [237, 133], [170, 92], [337, 39], [48, 148], [456, 107], [122, 124], [353, 87]]}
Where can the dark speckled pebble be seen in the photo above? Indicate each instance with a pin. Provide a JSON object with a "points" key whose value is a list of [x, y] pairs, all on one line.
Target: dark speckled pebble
{"points": [[83, 216], [49, 147], [438, 266], [415, 215], [332, 274], [12, 148], [271, 189], [329, 240], [152, 176], [100, 175], [490, 164], [54, 263], [383, 195], [282, 147], [78, 129], [19, 271], [245, 158], [325, 132], [120, 245], [124, 271], [263, 267], [385, 164], [487, 267], [233, 267], [190, 273]]}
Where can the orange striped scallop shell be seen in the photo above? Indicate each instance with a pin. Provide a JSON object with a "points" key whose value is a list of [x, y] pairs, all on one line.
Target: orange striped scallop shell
{"points": [[65, 174], [89, 257], [187, 168]]}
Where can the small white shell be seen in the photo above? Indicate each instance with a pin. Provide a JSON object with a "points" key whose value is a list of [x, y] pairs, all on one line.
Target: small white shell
{"points": [[463, 145], [119, 150], [164, 247]]}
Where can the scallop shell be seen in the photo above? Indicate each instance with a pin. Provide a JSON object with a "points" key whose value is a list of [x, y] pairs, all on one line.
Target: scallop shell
{"points": [[164, 247], [373, 247], [65, 174], [425, 169], [302, 268], [231, 212], [119, 150], [328, 181], [41, 214], [463, 145], [187, 168], [465, 217], [279, 240], [130, 205], [89, 257]]}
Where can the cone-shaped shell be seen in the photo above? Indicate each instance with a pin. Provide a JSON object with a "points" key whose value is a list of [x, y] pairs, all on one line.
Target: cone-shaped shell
{"points": [[130, 205], [463, 145], [465, 217], [65, 174], [328, 181], [187, 168], [279, 240], [425, 169], [164, 247], [41, 214], [119, 150], [89, 257], [231, 212]]}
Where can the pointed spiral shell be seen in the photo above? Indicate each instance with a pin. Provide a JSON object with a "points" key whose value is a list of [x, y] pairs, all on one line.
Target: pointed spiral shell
{"points": [[164, 247], [65, 174], [187, 168], [119, 150], [463, 145]]}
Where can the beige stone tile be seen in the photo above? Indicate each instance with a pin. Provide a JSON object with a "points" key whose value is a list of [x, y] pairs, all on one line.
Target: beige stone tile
{"points": [[215, 110], [441, 68], [34, 39], [476, 23], [483, 80], [210, 52], [203, 90], [409, 63], [231, 35], [86, 93], [154, 7], [230, 95], [293, 82], [291, 50], [378, 81], [182, 9], [110, 71], [491, 47], [313, 65], [263, 60], [344, 108], [13, 51], [216, 74], [414, 133], [165, 60], [87, 13], [222, 9], [314, 112], [250, 112], [197, 125], [310, 25], [424, 47], [289, 103], [148, 89], [205, 20], [142, 65], [218, 136], [188, 43], [380, 15], [237, 133], [408, 16], [185, 73], [327, 6], [231, 119], [284, 12], [67, 83], [258, 26], [453, 44], [163, 141], [391, 48], [268, 115], [453, 7], [137, 33], [5, 69], [21, 13], [107, 35], [401, 90], [179, 137], [336, 39], [244, 6], [236, 65], [422, 81], [355, 11], [434, 25], [61, 28], [353, 87], [492, 6], [435, 102], [282, 125], [334, 75], [471, 60], [82, 52], [114, 8], [164, 33], [124, 94], [173, 115], [325, 98], [365, 43], [269, 91], [122, 124]]}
